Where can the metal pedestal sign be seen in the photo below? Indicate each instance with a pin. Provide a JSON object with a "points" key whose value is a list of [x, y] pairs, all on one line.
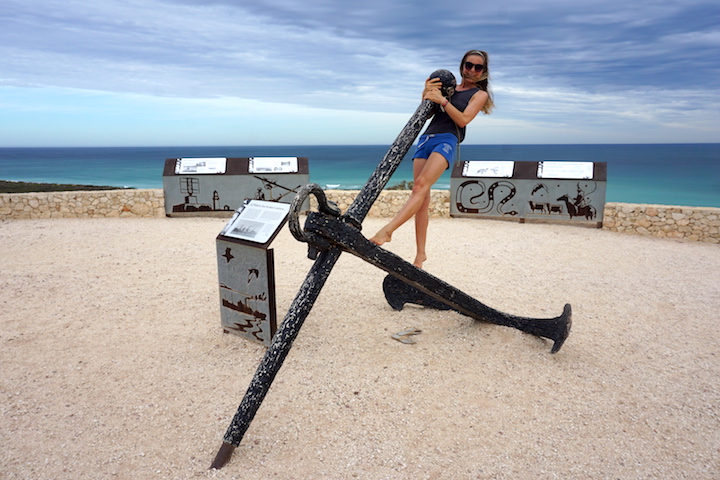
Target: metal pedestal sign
{"points": [[218, 186], [556, 191], [246, 270]]}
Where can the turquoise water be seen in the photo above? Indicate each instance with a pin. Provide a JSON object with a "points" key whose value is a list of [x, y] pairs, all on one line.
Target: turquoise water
{"points": [[669, 174]]}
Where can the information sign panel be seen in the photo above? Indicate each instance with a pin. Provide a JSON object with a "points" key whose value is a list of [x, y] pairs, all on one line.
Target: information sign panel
{"points": [[257, 221], [273, 165], [218, 186], [569, 170], [482, 168], [200, 166]]}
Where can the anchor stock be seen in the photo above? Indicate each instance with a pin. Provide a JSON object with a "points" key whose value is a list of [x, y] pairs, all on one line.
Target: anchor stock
{"points": [[414, 285]]}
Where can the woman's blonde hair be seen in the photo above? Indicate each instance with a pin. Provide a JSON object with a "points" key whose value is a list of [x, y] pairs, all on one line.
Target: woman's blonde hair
{"points": [[483, 83]]}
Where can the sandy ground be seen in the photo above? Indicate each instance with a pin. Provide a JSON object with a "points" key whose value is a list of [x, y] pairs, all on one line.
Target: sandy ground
{"points": [[114, 364]]}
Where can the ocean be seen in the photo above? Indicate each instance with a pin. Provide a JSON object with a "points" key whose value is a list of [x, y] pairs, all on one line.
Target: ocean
{"points": [[666, 174]]}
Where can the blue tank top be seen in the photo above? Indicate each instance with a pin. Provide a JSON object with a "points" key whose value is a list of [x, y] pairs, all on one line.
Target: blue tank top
{"points": [[442, 123]]}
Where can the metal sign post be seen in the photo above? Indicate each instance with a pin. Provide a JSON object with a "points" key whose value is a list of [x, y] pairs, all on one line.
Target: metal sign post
{"points": [[545, 191], [216, 187], [246, 270]]}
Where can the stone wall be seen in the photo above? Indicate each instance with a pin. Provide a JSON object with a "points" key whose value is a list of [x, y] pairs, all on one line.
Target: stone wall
{"points": [[663, 221], [390, 201], [688, 223], [85, 204]]}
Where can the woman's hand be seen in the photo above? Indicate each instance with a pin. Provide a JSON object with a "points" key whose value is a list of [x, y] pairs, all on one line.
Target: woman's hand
{"points": [[432, 90]]}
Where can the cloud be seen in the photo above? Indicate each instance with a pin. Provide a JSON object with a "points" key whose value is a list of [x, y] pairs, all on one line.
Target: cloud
{"points": [[647, 62]]}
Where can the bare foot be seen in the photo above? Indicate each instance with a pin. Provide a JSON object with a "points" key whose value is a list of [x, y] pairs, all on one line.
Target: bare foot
{"points": [[419, 260], [381, 237]]}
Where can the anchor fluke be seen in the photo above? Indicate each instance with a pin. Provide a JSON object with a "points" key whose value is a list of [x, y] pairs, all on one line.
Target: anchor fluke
{"points": [[398, 293]]}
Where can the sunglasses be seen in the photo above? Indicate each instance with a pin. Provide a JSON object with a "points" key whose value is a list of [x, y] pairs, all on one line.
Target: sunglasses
{"points": [[479, 67]]}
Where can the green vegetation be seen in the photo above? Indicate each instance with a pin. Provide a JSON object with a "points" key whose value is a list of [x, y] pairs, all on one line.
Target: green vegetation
{"points": [[404, 185], [29, 187]]}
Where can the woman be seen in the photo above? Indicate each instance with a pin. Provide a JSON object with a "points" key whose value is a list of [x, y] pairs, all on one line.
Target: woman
{"points": [[436, 146]]}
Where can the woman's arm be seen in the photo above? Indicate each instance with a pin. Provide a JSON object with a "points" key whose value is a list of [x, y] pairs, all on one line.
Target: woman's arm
{"points": [[461, 118]]}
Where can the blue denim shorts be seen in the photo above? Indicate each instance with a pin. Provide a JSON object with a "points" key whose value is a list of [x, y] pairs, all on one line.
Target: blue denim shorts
{"points": [[442, 143]]}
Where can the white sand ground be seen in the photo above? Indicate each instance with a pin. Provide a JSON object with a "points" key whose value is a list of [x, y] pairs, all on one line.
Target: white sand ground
{"points": [[114, 365]]}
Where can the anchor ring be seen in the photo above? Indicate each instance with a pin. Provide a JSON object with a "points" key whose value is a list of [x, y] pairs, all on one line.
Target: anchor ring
{"points": [[324, 205]]}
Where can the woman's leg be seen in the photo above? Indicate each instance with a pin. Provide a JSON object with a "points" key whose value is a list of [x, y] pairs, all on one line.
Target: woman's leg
{"points": [[422, 218], [429, 173]]}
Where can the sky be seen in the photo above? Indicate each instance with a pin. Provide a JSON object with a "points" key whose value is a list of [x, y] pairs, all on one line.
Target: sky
{"points": [[329, 72]]}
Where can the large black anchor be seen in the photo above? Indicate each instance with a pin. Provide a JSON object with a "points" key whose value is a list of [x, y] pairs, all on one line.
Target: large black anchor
{"points": [[328, 234]]}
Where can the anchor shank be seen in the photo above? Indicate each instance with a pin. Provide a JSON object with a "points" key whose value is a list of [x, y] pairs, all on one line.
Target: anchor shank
{"points": [[275, 356], [390, 162], [315, 280]]}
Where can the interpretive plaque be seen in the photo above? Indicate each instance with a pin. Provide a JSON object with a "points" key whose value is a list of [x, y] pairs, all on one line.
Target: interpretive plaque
{"points": [[477, 168], [246, 270], [567, 170], [200, 166], [547, 191], [216, 187], [273, 165], [257, 221]]}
